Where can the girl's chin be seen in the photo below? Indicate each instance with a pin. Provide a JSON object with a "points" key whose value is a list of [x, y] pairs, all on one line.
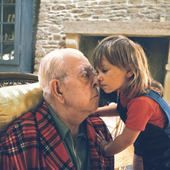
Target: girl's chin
{"points": [[106, 90]]}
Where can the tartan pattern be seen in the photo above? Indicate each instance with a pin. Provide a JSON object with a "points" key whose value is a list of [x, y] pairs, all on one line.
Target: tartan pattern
{"points": [[32, 143]]}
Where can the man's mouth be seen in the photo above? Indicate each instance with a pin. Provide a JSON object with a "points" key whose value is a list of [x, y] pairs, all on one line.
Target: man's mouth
{"points": [[97, 95]]}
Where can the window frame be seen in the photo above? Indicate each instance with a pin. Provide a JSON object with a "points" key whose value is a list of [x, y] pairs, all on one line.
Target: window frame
{"points": [[17, 28]]}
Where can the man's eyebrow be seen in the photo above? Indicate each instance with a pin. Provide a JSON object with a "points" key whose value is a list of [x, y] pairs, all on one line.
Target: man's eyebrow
{"points": [[84, 69]]}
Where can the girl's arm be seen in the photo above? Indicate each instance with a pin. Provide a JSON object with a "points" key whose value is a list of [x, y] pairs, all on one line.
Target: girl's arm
{"points": [[117, 145], [110, 110]]}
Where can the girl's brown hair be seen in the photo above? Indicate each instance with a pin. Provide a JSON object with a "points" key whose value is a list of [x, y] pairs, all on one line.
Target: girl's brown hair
{"points": [[126, 54]]}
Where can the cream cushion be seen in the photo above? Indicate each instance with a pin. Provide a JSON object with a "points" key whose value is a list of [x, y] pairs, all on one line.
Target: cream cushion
{"points": [[17, 100]]}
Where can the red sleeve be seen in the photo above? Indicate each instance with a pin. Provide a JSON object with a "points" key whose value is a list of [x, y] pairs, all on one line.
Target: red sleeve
{"points": [[139, 112]]}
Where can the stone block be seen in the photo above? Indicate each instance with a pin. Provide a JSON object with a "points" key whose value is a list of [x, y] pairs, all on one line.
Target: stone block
{"points": [[50, 38], [153, 16], [36, 67], [56, 37], [77, 11], [104, 17], [37, 60], [168, 18], [167, 10], [95, 17], [58, 7], [43, 16], [98, 12], [49, 47], [66, 19], [82, 4], [144, 11], [136, 2], [116, 19], [62, 43], [104, 2], [166, 1], [150, 1], [117, 1], [120, 12], [54, 29], [70, 6], [77, 1], [56, 22], [42, 36], [52, 43], [133, 11], [44, 9], [138, 17], [62, 2], [39, 53], [63, 37], [85, 15], [47, 1], [38, 45], [92, 3]]}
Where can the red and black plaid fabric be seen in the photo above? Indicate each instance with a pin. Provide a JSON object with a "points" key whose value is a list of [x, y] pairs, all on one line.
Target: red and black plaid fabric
{"points": [[32, 143]]}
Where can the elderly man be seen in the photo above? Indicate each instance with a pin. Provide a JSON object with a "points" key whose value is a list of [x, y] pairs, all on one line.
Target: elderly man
{"points": [[59, 134]]}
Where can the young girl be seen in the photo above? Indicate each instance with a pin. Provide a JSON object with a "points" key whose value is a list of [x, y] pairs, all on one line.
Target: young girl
{"points": [[121, 65]]}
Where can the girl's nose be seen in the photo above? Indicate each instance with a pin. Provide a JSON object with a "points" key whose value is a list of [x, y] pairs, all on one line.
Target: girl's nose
{"points": [[99, 77], [95, 82]]}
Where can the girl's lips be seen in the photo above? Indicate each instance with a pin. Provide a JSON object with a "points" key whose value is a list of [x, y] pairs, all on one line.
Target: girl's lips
{"points": [[102, 85]]}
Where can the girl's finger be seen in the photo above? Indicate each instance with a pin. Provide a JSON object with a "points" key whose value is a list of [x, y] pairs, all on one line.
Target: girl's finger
{"points": [[101, 135], [98, 139]]}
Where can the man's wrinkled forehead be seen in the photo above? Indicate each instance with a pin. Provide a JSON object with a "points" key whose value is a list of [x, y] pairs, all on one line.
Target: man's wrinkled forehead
{"points": [[76, 62]]}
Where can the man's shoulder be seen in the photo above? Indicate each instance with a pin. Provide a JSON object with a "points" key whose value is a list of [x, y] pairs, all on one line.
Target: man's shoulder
{"points": [[98, 125], [26, 121], [97, 122]]}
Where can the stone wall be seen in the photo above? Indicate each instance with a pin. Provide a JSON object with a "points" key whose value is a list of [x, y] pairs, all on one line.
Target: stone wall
{"points": [[53, 13]]}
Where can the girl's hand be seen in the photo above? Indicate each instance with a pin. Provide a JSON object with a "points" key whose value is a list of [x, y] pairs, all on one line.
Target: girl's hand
{"points": [[117, 145], [102, 143]]}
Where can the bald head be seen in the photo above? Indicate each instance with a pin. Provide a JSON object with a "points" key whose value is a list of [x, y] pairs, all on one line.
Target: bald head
{"points": [[55, 65]]}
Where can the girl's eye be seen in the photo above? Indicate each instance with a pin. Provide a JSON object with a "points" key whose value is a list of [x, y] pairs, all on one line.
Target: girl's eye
{"points": [[104, 71]]}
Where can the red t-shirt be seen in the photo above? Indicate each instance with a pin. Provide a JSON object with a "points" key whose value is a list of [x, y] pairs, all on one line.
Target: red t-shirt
{"points": [[143, 110]]}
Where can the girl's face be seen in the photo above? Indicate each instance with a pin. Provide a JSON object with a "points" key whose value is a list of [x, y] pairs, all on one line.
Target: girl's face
{"points": [[112, 78]]}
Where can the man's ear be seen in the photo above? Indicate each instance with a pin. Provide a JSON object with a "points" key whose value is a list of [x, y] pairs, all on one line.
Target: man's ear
{"points": [[55, 87], [130, 71]]}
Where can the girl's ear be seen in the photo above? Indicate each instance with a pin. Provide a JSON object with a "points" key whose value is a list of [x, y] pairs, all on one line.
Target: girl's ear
{"points": [[55, 87], [130, 71]]}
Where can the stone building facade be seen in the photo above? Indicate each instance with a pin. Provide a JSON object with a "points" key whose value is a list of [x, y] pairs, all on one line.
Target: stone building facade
{"points": [[62, 23]]}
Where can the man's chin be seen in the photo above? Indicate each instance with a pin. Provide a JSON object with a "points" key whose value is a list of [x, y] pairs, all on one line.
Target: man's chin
{"points": [[96, 107]]}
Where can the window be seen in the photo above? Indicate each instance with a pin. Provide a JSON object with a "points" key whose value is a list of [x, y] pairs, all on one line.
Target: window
{"points": [[7, 29], [16, 28]]}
